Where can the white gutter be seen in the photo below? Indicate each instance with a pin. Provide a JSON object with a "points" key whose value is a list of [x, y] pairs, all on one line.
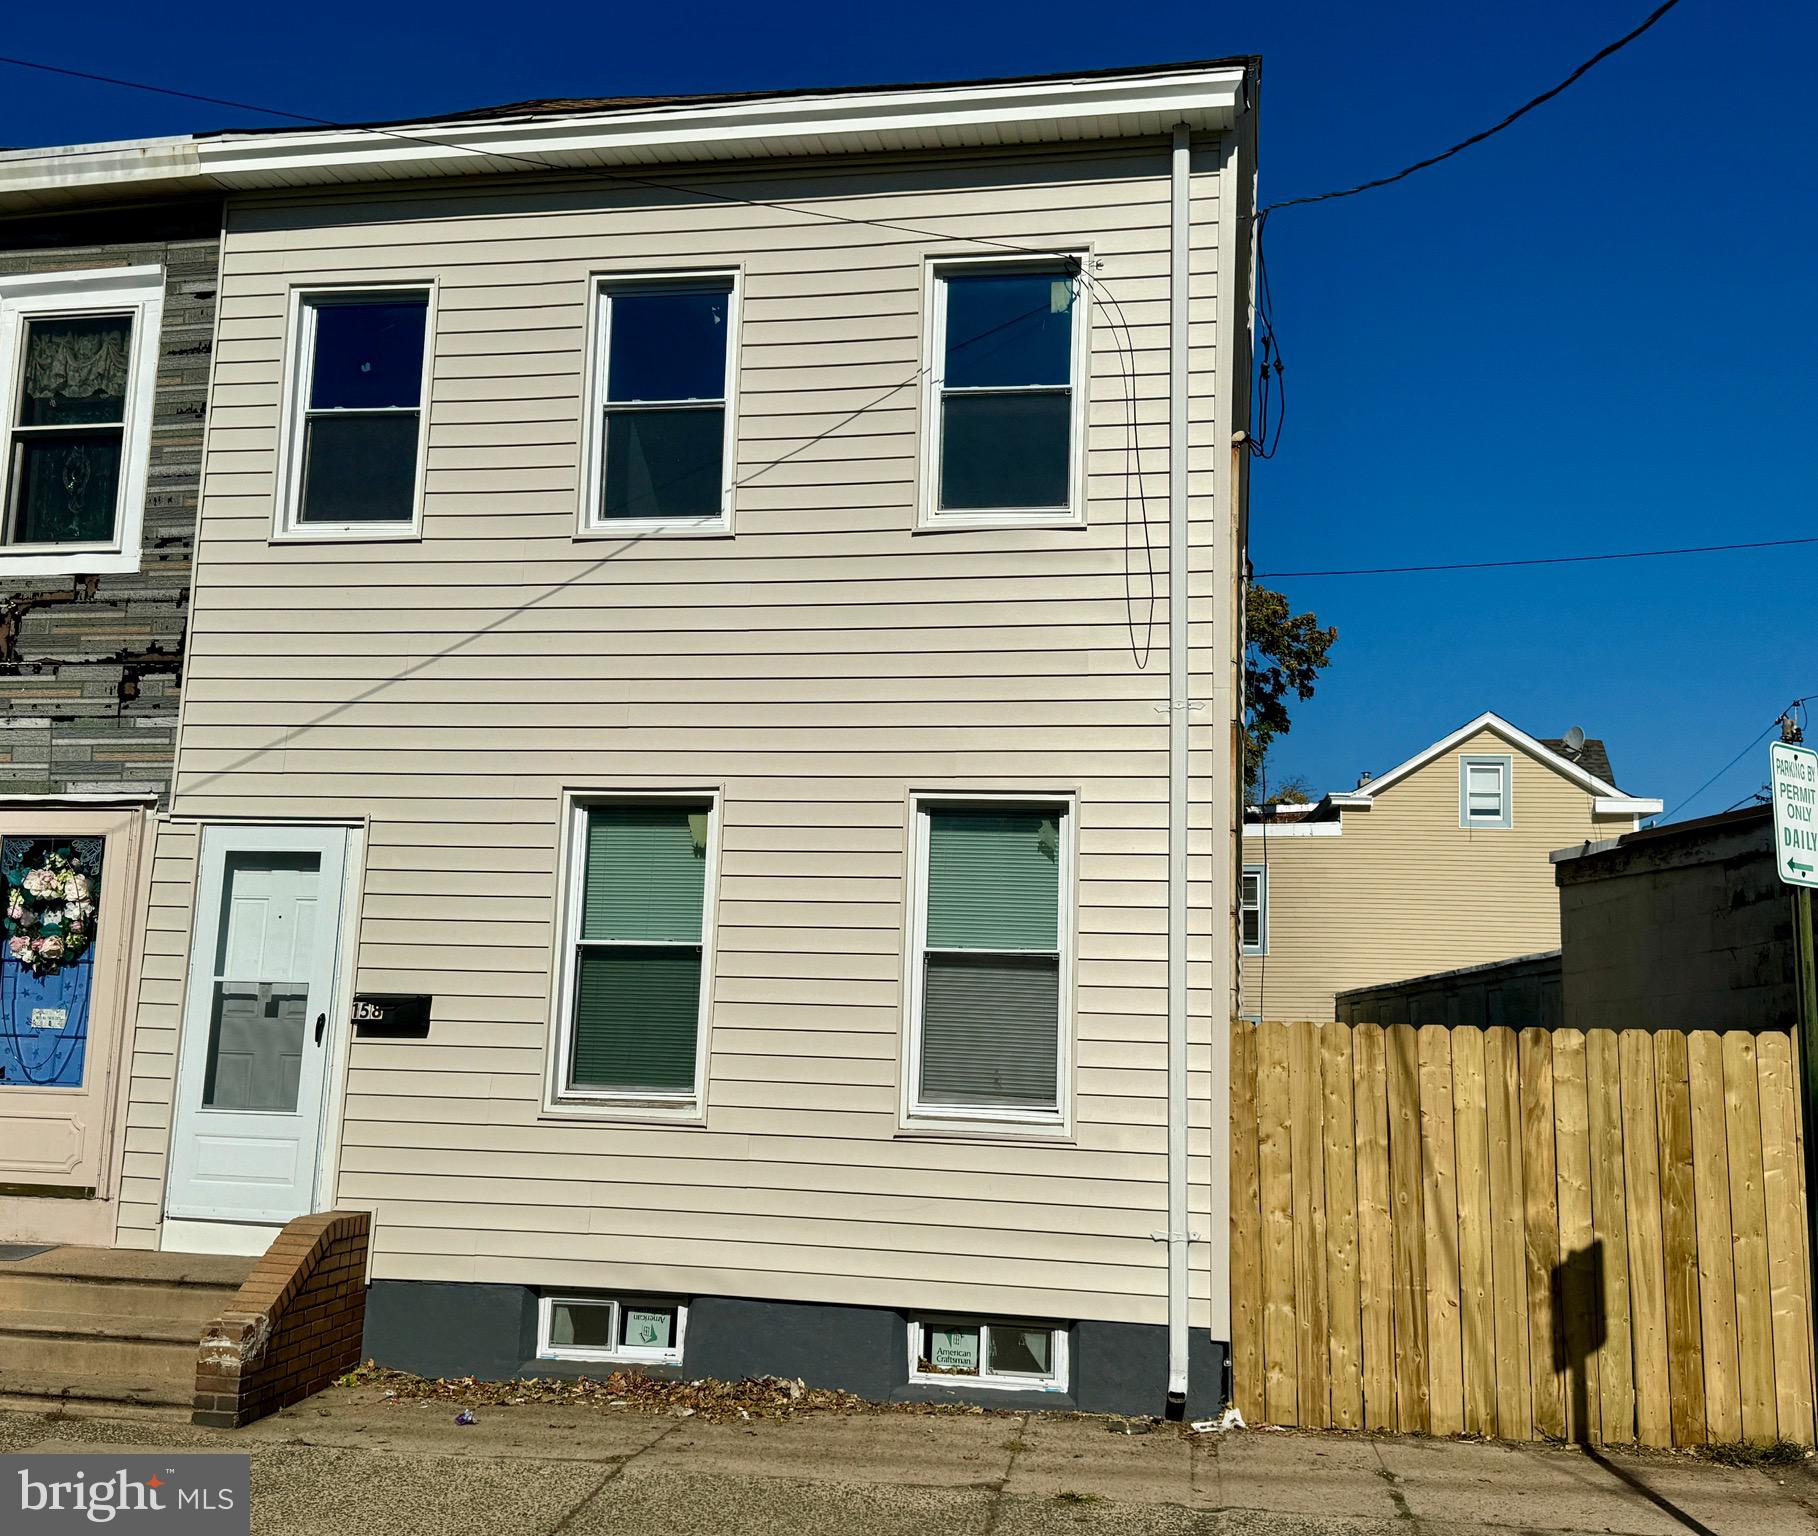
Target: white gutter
{"points": [[1179, 689]]}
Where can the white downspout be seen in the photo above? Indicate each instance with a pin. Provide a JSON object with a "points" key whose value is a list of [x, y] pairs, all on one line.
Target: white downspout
{"points": [[1179, 688]]}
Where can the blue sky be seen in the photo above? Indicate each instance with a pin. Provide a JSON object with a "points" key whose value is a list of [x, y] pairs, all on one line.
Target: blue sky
{"points": [[1596, 332]]}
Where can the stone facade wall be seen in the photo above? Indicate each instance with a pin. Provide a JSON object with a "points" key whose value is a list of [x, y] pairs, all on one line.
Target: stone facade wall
{"points": [[90, 664]]}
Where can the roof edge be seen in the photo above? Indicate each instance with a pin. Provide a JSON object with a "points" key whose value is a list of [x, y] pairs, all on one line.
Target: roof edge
{"points": [[646, 132]]}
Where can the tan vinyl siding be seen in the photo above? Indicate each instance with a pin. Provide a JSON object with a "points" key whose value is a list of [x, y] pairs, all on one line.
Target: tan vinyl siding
{"points": [[815, 668], [1406, 891]]}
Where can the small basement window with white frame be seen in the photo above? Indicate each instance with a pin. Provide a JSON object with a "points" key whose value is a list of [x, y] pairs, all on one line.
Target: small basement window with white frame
{"points": [[1004, 407], [1254, 910], [660, 445], [357, 425], [79, 352], [643, 1332], [990, 962], [1483, 791], [637, 972], [972, 1352]]}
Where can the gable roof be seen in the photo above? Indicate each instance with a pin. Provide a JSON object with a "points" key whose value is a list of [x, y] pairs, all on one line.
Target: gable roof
{"points": [[1609, 800]]}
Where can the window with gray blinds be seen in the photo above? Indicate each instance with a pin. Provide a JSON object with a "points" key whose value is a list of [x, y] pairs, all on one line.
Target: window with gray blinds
{"points": [[991, 960], [637, 969]]}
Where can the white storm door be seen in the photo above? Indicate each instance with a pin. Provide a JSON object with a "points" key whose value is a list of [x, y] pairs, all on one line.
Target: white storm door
{"points": [[253, 1064]]}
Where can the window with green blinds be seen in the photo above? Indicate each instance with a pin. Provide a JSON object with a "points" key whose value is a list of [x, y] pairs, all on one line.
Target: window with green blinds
{"points": [[991, 960], [637, 965]]}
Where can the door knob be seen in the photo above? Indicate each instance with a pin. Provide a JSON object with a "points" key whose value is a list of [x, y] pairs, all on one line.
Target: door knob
{"points": [[321, 1024]]}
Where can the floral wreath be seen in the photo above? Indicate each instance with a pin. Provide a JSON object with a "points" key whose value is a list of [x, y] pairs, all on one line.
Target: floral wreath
{"points": [[50, 911]]}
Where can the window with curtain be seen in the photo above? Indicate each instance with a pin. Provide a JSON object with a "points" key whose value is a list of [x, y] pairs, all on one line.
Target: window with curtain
{"points": [[1483, 792], [636, 960], [68, 430], [990, 965], [361, 411], [664, 386], [1254, 911], [1004, 396]]}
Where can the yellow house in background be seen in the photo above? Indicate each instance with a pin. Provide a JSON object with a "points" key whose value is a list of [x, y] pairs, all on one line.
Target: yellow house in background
{"points": [[1437, 864]]}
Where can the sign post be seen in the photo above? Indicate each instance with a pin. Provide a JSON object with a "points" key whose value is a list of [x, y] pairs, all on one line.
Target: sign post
{"points": [[1794, 774]]}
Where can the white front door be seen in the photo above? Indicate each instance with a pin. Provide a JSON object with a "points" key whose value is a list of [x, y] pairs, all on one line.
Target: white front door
{"points": [[257, 1024]]}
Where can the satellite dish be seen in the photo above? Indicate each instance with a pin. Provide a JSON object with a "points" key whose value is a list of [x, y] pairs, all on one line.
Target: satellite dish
{"points": [[1574, 740]]}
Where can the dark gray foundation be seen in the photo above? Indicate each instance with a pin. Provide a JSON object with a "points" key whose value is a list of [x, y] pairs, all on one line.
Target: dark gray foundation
{"points": [[490, 1331]]}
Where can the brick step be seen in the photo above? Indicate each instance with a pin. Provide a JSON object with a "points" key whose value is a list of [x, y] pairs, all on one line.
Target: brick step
{"points": [[52, 1346]]}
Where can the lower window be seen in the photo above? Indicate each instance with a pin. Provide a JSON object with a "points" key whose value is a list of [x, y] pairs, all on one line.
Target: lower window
{"points": [[969, 1352], [989, 967], [636, 978], [610, 1328]]}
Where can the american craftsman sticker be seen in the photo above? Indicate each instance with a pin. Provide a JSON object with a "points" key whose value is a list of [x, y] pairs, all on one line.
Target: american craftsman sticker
{"points": [[49, 1018], [648, 1330], [953, 1349]]}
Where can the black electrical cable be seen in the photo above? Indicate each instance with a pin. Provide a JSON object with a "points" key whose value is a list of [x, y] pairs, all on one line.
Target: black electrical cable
{"points": [[1501, 565]]}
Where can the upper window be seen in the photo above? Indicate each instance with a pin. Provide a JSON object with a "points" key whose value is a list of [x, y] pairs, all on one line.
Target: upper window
{"points": [[1006, 393], [80, 353], [990, 962], [1254, 910], [1483, 791], [636, 978], [661, 448], [356, 450]]}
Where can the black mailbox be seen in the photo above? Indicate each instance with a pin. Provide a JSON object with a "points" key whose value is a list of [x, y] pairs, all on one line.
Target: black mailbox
{"points": [[391, 1016]]}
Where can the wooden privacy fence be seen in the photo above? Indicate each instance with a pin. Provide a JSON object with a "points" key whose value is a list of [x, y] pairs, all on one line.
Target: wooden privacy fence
{"points": [[1552, 1234]]}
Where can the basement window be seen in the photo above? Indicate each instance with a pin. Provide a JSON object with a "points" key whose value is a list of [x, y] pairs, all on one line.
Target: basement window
{"points": [[971, 1352], [610, 1328]]}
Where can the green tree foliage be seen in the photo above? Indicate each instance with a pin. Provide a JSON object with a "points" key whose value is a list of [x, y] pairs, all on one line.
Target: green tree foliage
{"points": [[1284, 654]]}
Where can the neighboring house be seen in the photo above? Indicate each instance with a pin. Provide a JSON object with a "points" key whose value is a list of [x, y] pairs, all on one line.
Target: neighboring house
{"points": [[682, 802], [1439, 864], [106, 326]]}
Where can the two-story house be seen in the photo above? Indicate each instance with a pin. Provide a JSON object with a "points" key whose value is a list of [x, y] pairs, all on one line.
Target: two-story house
{"points": [[106, 325], [705, 795], [1438, 864]]}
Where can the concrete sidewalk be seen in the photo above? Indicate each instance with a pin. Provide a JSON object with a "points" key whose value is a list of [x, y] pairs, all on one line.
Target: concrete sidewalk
{"points": [[348, 1461]]}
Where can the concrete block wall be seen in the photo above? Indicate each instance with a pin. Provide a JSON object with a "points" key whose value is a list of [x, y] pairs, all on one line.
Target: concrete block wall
{"points": [[1684, 928], [90, 664]]}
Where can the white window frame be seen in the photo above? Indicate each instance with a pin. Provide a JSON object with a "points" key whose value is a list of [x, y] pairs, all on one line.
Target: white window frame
{"points": [[1505, 766], [134, 291], [1003, 1381], [559, 1098], [914, 1116], [299, 362], [1261, 946], [602, 286], [934, 351], [624, 1354]]}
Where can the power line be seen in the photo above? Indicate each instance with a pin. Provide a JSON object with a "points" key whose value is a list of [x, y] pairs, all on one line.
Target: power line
{"points": [[1500, 565], [1734, 760], [1488, 133]]}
